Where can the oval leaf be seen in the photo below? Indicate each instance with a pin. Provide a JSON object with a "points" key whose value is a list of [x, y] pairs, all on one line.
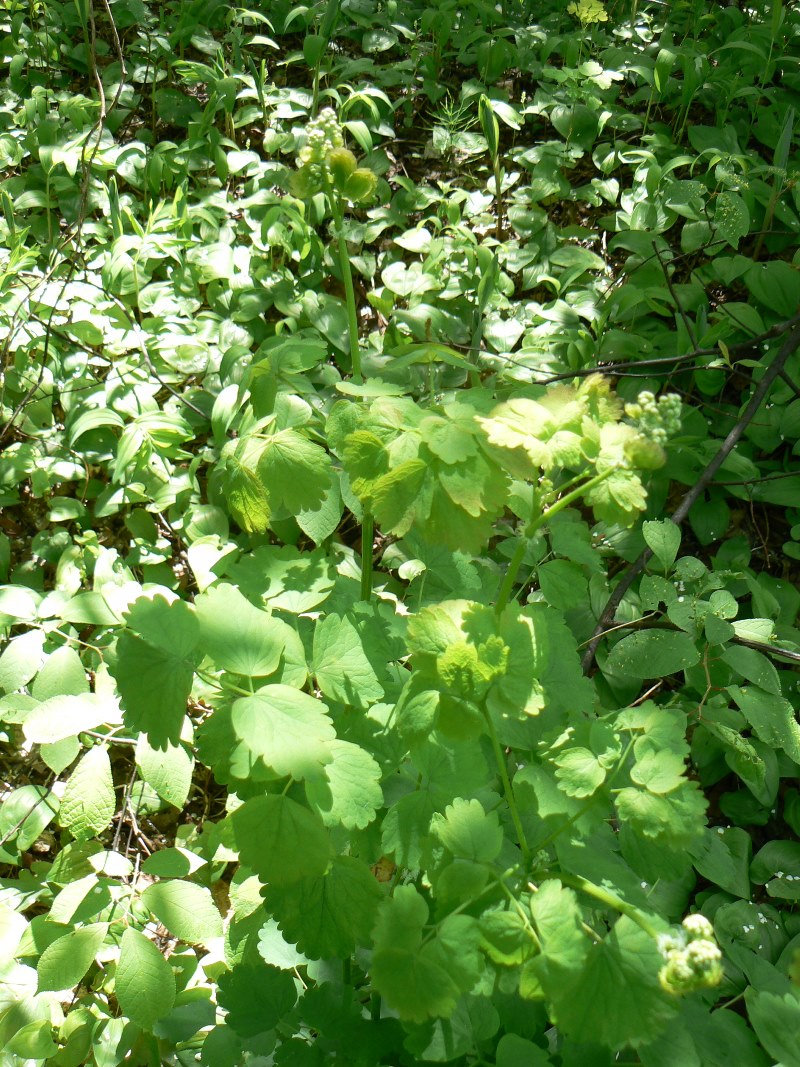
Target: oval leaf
{"points": [[145, 985], [64, 963], [187, 910], [88, 802], [168, 771], [652, 654], [64, 716]]}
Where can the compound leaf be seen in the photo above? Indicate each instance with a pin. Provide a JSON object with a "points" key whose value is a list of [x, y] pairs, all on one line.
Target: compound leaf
{"points": [[342, 667], [617, 997], [296, 471], [245, 495], [256, 997], [350, 793], [468, 831], [236, 635], [327, 916], [418, 981]]}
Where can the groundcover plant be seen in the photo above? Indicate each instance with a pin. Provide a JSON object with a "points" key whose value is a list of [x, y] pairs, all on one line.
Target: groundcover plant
{"points": [[400, 421]]}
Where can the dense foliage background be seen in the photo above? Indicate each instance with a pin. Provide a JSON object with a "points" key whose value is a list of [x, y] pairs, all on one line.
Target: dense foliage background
{"points": [[380, 683]]}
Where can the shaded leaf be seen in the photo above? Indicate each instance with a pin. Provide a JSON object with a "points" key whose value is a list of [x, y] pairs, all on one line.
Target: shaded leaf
{"points": [[280, 840]]}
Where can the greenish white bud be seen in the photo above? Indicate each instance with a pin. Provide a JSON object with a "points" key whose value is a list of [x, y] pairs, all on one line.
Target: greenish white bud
{"points": [[698, 928], [693, 959], [658, 419], [704, 957]]}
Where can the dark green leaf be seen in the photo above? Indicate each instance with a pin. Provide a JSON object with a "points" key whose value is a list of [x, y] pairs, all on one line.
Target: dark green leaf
{"points": [[653, 654], [280, 840]]}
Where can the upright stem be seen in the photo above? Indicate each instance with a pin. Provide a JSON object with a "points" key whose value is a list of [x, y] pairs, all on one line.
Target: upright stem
{"points": [[347, 279], [475, 347], [315, 88], [367, 529], [504, 593], [500, 759], [498, 198], [375, 1007]]}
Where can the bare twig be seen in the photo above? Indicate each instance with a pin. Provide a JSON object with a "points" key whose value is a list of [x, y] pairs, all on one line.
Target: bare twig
{"points": [[768, 650], [165, 385], [758, 481], [664, 624], [791, 383], [628, 368], [686, 322]]}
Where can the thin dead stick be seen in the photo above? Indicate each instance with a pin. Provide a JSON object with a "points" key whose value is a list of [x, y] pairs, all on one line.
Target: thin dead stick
{"points": [[685, 318], [788, 348], [791, 383], [632, 368]]}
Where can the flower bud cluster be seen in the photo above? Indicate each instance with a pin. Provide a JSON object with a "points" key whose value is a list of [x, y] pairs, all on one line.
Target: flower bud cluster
{"points": [[545, 487], [657, 419], [693, 959], [323, 135], [324, 163]]}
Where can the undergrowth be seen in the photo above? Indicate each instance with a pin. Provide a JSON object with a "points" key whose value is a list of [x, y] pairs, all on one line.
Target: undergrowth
{"points": [[400, 536]]}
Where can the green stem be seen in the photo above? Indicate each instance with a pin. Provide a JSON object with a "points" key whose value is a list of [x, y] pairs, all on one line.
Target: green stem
{"points": [[367, 530], [347, 280], [769, 214], [315, 88], [465, 904], [475, 347], [500, 759], [761, 83], [565, 501], [515, 904], [727, 1003], [504, 593], [498, 198], [604, 896]]}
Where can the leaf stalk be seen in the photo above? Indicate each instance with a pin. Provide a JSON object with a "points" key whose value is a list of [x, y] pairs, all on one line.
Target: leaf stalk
{"points": [[504, 593], [502, 767]]}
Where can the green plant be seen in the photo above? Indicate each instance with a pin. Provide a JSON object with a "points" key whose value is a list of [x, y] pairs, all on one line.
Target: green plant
{"points": [[326, 166], [302, 539]]}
